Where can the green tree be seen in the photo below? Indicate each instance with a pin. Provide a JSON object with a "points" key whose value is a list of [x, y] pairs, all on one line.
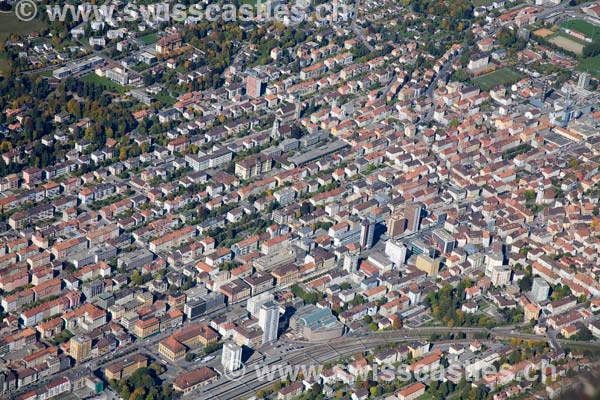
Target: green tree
{"points": [[124, 393], [514, 357], [530, 195], [559, 292], [166, 391], [525, 283], [584, 334]]}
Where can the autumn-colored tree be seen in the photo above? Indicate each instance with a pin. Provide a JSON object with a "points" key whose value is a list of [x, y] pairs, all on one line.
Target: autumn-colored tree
{"points": [[74, 108], [138, 394], [136, 278], [6, 146], [123, 153]]}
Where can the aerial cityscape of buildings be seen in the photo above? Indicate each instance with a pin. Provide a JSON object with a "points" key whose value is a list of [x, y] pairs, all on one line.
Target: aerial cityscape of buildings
{"points": [[284, 209]]}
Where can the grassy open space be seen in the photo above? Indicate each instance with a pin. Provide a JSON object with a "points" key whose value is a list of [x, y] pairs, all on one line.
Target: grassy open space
{"points": [[591, 65], [482, 3], [588, 29], [10, 24], [584, 347], [499, 77], [165, 99], [149, 38], [105, 82], [426, 396]]}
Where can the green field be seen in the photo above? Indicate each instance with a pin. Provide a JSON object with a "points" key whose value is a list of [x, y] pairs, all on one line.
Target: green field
{"points": [[590, 30], [105, 82], [149, 38], [165, 99], [426, 396], [499, 77], [11, 25], [480, 3], [591, 65]]}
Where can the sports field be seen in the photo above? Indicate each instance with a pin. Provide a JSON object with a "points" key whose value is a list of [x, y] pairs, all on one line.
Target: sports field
{"points": [[566, 42], [543, 32], [500, 77], [588, 29]]}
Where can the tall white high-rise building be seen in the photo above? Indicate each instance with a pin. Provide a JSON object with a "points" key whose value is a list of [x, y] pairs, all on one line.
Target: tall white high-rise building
{"points": [[268, 320], [351, 262], [367, 233], [231, 359], [540, 289], [413, 215], [500, 275], [492, 260], [254, 303], [584, 80], [396, 252]]}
